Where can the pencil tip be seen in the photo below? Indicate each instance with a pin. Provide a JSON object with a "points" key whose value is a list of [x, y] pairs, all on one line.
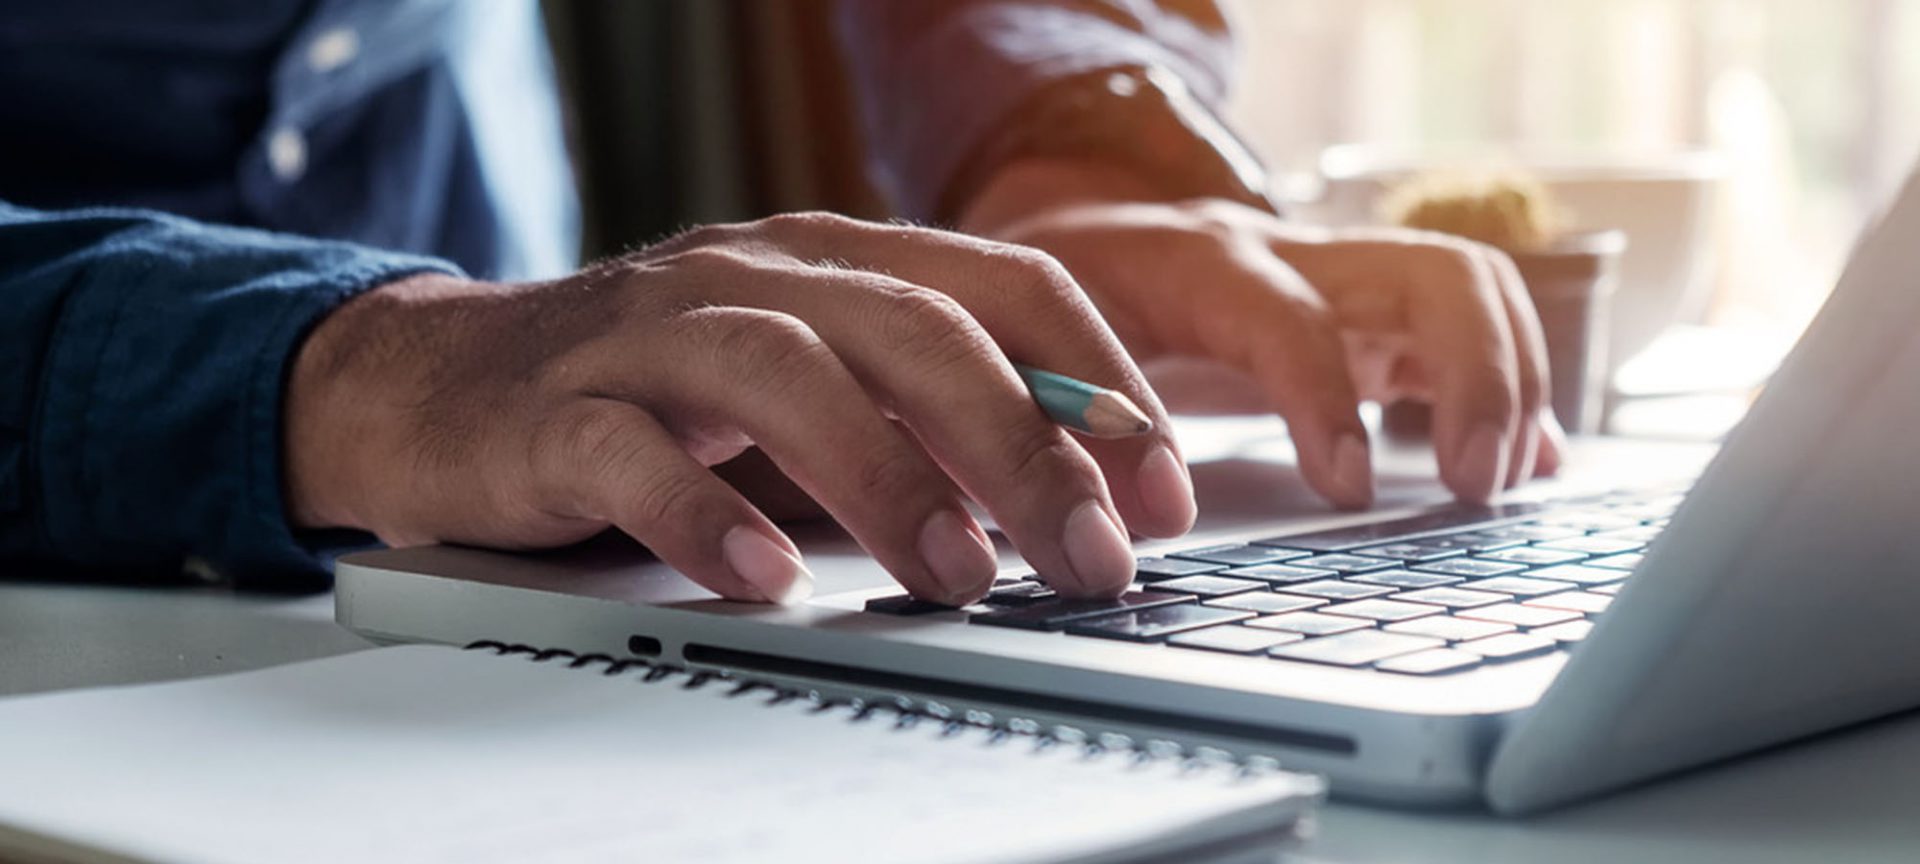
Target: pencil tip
{"points": [[1113, 415]]}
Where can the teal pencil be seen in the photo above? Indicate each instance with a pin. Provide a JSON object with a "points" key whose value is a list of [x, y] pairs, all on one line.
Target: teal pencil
{"points": [[1094, 410]]}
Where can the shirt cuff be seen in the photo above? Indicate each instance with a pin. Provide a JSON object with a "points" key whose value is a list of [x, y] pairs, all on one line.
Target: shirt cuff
{"points": [[163, 439], [935, 94]]}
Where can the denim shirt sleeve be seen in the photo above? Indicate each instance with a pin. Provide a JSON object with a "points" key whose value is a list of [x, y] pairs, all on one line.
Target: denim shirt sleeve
{"points": [[145, 358], [935, 78]]}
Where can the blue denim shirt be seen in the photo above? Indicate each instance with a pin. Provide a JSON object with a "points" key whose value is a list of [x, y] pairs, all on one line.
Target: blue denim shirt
{"points": [[145, 339]]}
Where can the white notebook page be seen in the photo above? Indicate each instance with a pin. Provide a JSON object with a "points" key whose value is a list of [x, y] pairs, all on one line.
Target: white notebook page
{"points": [[437, 754]]}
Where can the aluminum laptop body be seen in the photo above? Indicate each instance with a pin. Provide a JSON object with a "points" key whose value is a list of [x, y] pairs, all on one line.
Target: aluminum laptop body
{"points": [[1778, 602]]}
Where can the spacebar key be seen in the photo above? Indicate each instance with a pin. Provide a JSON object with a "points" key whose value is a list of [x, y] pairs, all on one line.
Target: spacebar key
{"points": [[1054, 614]]}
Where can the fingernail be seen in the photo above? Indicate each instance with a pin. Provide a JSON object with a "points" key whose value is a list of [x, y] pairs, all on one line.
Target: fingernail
{"points": [[1098, 553], [1482, 462], [1353, 470], [776, 573], [1166, 492], [961, 560]]}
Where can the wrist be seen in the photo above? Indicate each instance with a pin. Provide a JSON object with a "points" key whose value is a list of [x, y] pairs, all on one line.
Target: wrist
{"points": [[339, 379], [1025, 188]]}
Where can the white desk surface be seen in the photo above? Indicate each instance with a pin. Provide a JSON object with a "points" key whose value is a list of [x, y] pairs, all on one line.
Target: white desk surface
{"points": [[1852, 796]]}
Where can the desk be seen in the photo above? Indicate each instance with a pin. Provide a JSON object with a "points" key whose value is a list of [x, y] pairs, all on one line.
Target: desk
{"points": [[1852, 796]]}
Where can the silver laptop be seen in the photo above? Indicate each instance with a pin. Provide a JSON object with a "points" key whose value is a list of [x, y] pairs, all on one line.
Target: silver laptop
{"points": [[1523, 655]]}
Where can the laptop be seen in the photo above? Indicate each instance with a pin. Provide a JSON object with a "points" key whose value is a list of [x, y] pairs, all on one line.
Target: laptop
{"points": [[1520, 655]]}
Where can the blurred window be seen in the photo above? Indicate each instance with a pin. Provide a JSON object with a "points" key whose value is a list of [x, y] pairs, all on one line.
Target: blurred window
{"points": [[1811, 104]]}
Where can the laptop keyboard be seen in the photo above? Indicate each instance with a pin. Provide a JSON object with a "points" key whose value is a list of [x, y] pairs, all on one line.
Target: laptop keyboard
{"points": [[1432, 594]]}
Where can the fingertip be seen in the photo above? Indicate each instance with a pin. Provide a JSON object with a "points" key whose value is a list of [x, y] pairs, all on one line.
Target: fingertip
{"points": [[770, 567], [959, 555], [1098, 554], [1165, 492], [1479, 466], [1353, 472], [1552, 446]]}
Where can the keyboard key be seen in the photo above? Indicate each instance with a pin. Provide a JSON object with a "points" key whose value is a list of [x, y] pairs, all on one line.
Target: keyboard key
{"points": [[1406, 579], [1594, 545], [1475, 542], [1644, 534], [1628, 561], [1577, 601], [1609, 590], [1416, 552], [1588, 520], [1449, 628], [1156, 569], [1433, 661], [1532, 556], [1565, 634], [1453, 598], [905, 604], [1509, 646], [1584, 574], [1354, 649], [1267, 602], [1150, 625], [1518, 615], [1054, 614], [1279, 574], [1233, 639], [1345, 563], [1209, 586], [1310, 623], [1535, 533], [1019, 594], [1452, 520], [1334, 589], [1382, 610], [1519, 586], [1240, 555], [1468, 567]]}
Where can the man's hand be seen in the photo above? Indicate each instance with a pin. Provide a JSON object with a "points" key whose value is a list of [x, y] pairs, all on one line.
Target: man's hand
{"points": [[870, 362], [1301, 320]]}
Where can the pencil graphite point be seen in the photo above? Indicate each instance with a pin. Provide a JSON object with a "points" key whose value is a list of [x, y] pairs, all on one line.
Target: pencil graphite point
{"points": [[1112, 415], [1090, 408]]}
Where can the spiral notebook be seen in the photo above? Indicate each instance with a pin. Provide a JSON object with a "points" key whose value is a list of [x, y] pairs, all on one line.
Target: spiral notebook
{"points": [[503, 753]]}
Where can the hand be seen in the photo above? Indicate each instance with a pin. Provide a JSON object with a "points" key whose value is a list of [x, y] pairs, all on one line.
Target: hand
{"points": [[1302, 320], [869, 362]]}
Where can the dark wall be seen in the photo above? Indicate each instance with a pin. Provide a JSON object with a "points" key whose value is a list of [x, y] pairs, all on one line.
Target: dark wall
{"points": [[689, 111]]}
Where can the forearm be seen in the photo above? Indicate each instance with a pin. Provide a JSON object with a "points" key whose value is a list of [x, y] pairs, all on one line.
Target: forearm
{"points": [[146, 360]]}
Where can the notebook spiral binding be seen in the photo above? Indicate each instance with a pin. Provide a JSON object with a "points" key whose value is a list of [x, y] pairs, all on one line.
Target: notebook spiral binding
{"points": [[906, 713]]}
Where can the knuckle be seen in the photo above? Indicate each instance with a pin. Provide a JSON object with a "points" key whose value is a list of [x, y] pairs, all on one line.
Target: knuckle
{"points": [[591, 437], [921, 319], [721, 256], [1031, 273], [691, 238], [665, 498], [777, 352], [809, 222], [587, 441], [1038, 450], [1212, 220], [890, 476]]}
